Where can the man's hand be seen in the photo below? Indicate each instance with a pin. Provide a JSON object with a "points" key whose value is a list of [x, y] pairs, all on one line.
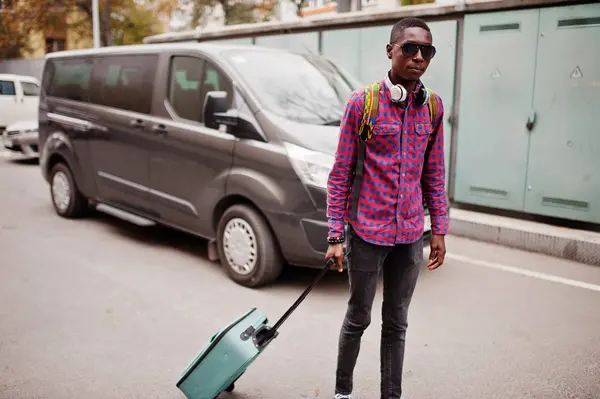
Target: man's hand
{"points": [[336, 251], [438, 252]]}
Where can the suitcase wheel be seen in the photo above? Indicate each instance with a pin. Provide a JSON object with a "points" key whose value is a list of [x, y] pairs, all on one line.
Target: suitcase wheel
{"points": [[230, 388]]}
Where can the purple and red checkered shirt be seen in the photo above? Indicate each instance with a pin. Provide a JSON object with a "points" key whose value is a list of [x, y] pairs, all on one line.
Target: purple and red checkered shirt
{"points": [[390, 209]]}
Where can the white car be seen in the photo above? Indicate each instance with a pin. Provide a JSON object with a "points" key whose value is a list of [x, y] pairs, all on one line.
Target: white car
{"points": [[19, 99], [22, 137]]}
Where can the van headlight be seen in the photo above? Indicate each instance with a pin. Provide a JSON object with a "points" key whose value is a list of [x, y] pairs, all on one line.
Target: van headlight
{"points": [[312, 167]]}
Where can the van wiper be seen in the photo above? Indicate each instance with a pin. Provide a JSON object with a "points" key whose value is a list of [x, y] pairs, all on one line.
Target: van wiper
{"points": [[335, 122]]}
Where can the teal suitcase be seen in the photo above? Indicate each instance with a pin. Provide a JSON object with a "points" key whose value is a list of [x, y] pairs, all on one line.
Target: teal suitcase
{"points": [[227, 355]]}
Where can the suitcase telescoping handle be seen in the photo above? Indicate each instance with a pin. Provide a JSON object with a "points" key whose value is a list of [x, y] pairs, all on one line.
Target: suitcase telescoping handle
{"points": [[328, 265]]}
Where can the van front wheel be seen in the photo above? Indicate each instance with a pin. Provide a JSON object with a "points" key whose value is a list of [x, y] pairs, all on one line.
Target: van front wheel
{"points": [[247, 248]]}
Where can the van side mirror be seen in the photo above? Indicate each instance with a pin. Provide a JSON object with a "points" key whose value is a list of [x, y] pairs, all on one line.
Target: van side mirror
{"points": [[216, 110]]}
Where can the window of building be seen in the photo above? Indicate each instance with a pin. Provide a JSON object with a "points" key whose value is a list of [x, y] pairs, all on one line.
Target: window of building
{"points": [[125, 82], [190, 79], [7, 88], [53, 45], [6, 4], [69, 78]]}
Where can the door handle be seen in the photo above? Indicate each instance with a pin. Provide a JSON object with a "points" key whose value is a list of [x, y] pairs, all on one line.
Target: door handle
{"points": [[451, 120], [137, 124], [160, 129], [531, 120]]}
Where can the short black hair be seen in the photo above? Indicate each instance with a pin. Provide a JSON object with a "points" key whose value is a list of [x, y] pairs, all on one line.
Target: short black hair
{"points": [[408, 22]]}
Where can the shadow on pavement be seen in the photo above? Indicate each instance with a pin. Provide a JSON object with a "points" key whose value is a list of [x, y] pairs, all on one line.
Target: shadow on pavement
{"points": [[154, 236], [25, 161], [296, 278]]}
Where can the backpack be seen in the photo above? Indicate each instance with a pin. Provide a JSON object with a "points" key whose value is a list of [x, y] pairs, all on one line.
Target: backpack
{"points": [[365, 133]]}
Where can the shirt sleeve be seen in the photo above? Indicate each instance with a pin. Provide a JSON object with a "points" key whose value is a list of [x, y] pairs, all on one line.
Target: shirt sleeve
{"points": [[339, 182], [434, 177]]}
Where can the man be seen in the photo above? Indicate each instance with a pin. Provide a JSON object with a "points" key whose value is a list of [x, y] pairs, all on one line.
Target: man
{"points": [[387, 232]]}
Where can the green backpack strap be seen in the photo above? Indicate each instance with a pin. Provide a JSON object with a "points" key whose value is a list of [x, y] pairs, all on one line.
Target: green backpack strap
{"points": [[365, 132], [432, 105], [369, 112], [433, 114]]}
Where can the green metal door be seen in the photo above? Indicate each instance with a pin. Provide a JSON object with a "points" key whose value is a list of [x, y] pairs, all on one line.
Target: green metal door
{"points": [[498, 65], [564, 163], [374, 63], [342, 46], [307, 42], [440, 76]]}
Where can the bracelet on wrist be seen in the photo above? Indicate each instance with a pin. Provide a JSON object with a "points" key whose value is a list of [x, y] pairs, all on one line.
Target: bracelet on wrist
{"points": [[336, 240]]}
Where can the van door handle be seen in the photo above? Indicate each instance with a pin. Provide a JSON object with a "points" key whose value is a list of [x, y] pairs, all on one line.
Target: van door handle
{"points": [[137, 124], [160, 129]]}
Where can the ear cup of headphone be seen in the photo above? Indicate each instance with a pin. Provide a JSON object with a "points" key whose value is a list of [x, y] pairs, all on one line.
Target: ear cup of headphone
{"points": [[397, 92], [422, 96]]}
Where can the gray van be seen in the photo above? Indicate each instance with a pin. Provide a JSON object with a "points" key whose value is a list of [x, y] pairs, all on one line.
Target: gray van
{"points": [[231, 143]]}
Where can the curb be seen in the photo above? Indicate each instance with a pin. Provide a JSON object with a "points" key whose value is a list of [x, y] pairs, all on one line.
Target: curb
{"points": [[577, 245]]}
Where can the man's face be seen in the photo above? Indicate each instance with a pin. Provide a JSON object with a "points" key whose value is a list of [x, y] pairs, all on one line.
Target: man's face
{"points": [[408, 60]]}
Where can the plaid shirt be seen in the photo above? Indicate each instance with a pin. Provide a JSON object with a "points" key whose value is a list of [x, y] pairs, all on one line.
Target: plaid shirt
{"points": [[391, 207]]}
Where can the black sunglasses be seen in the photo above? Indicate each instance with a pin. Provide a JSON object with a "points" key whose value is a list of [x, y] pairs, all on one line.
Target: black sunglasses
{"points": [[410, 49]]}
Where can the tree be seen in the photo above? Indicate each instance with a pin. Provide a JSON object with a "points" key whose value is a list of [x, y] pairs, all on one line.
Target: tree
{"points": [[232, 11], [300, 4], [121, 21], [12, 39]]}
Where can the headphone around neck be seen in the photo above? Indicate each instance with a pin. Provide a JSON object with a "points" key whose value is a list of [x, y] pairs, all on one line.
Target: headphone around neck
{"points": [[399, 94]]}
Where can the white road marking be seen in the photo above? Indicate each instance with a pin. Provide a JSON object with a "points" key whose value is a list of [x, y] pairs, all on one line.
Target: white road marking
{"points": [[525, 272]]}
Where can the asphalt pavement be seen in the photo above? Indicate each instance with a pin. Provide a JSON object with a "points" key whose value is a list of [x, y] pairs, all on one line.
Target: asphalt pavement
{"points": [[98, 308]]}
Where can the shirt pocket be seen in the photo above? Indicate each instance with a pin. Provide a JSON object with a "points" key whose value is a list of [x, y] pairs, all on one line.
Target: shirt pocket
{"points": [[386, 138], [422, 129], [420, 133]]}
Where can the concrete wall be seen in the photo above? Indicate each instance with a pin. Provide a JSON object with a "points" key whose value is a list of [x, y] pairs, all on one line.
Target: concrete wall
{"points": [[30, 67]]}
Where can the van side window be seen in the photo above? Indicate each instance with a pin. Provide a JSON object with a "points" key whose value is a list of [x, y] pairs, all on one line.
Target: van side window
{"points": [[190, 79], [185, 84], [125, 82], [7, 88], [70, 79], [30, 89], [215, 81]]}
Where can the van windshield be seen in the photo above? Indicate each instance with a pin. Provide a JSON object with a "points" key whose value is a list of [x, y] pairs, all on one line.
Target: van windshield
{"points": [[300, 87]]}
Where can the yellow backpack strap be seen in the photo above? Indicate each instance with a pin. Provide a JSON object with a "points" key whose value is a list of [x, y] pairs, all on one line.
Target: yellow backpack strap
{"points": [[369, 111], [365, 133], [432, 105], [433, 114]]}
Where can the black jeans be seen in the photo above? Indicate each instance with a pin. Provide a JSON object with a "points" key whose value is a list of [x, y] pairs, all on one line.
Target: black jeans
{"points": [[400, 265]]}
